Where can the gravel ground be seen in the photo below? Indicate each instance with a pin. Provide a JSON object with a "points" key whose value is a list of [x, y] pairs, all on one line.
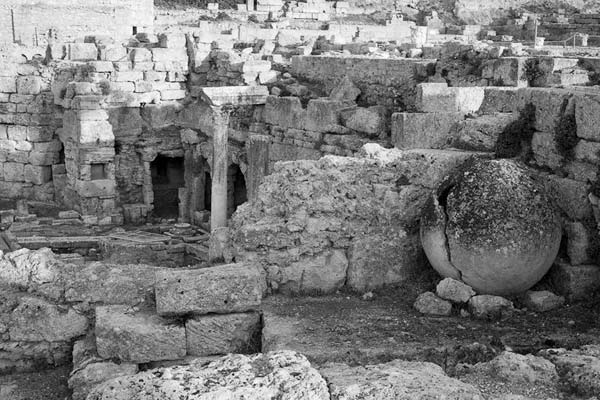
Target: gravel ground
{"points": [[44, 385]]}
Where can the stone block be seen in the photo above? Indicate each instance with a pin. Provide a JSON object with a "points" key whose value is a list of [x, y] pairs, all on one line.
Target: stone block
{"points": [[137, 337], [545, 151], [95, 133], [453, 290], [489, 307], [36, 320], [550, 106], [128, 76], [321, 114], [505, 71], [221, 289], [140, 54], [542, 301], [223, 334], [29, 85], [587, 151], [82, 51], [571, 197], [8, 84], [171, 40], [17, 132], [286, 112], [39, 134], [235, 95], [587, 111], [13, 172], [435, 97], [575, 282], [38, 175], [480, 133], [177, 94], [423, 130], [469, 99], [96, 188], [580, 243], [99, 282], [371, 121], [169, 54]]}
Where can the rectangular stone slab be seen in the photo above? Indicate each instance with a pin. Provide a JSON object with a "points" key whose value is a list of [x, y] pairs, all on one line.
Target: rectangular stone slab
{"points": [[137, 337], [234, 95], [221, 334], [221, 289]]}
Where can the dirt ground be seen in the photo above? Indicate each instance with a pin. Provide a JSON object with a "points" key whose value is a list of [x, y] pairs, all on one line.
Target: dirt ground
{"points": [[44, 385]]}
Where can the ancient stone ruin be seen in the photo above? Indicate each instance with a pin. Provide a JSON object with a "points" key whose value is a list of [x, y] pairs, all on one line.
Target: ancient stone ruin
{"points": [[273, 199]]}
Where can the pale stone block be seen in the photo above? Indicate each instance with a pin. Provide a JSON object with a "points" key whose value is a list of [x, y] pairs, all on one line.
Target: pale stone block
{"points": [[29, 85], [137, 337], [140, 54], [13, 172], [222, 289], [423, 130], [82, 51], [17, 132], [96, 188], [37, 175], [222, 334], [8, 84], [94, 132]]}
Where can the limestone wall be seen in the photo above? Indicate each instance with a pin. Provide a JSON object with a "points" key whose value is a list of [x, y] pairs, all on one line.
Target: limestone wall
{"points": [[389, 82], [29, 146], [85, 17]]}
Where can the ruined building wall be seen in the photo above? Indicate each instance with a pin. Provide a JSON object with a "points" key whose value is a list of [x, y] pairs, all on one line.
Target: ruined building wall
{"points": [[29, 146], [388, 82], [86, 17]]}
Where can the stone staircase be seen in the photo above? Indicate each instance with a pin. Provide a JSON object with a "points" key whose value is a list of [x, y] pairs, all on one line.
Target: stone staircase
{"points": [[195, 313]]}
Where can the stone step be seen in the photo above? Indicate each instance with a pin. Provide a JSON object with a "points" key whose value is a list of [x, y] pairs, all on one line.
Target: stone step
{"points": [[59, 242]]}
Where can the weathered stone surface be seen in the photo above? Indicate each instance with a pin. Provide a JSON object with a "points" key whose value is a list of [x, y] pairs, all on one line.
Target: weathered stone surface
{"points": [[82, 381], [276, 375], [423, 130], [542, 301], [371, 121], [222, 334], [137, 336], [499, 99], [571, 196], [36, 320], [111, 283], [36, 270], [579, 369], [429, 303], [489, 307], [587, 109], [580, 243], [221, 289], [524, 369], [480, 133], [345, 91], [575, 282], [395, 380], [545, 151], [453, 290], [322, 274], [504, 250]]}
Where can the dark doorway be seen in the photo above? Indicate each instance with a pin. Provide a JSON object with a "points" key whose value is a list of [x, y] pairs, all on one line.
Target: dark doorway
{"points": [[207, 190], [167, 178], [237, 193]]}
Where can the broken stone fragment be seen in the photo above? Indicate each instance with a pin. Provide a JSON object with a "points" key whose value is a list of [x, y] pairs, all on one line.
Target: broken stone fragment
{"points": [[525, 369], [489, 307], [542, 301], [579, 369], [429, 303], [453, 290], [396, 379], [275, 375], [492, 226], [345, 91]]}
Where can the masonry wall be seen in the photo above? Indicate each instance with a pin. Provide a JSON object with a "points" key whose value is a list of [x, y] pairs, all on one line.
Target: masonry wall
{"points": [[389, 82], [29, 146], [85, 17]]}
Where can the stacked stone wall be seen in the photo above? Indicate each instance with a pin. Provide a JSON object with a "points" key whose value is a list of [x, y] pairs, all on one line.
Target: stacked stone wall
{"points": [[33, 19]]}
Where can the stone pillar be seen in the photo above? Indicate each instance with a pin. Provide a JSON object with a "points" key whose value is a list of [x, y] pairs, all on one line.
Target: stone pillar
{"points": [[258, 163], [250, 5], [218, 211]]}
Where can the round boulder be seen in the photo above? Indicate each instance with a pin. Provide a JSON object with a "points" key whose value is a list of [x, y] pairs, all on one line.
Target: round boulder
{"points": [[492, 226]]}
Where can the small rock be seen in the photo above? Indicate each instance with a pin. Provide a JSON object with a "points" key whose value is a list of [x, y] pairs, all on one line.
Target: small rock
{"points": [[542, 301], [429, 303], [275, 91], [297, 90], [489, 307], [455, 291], [368, 296]]}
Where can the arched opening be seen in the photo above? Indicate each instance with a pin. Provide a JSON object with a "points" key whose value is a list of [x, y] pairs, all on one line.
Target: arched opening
{"points": [[167, 177]]}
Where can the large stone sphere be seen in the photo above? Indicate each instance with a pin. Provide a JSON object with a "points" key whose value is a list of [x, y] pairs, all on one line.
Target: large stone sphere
{"points": [[491, 225]]}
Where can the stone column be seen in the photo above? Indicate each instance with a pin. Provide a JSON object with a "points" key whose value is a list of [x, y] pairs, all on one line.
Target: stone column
{"points": [[218, 211], [258, 163]]}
